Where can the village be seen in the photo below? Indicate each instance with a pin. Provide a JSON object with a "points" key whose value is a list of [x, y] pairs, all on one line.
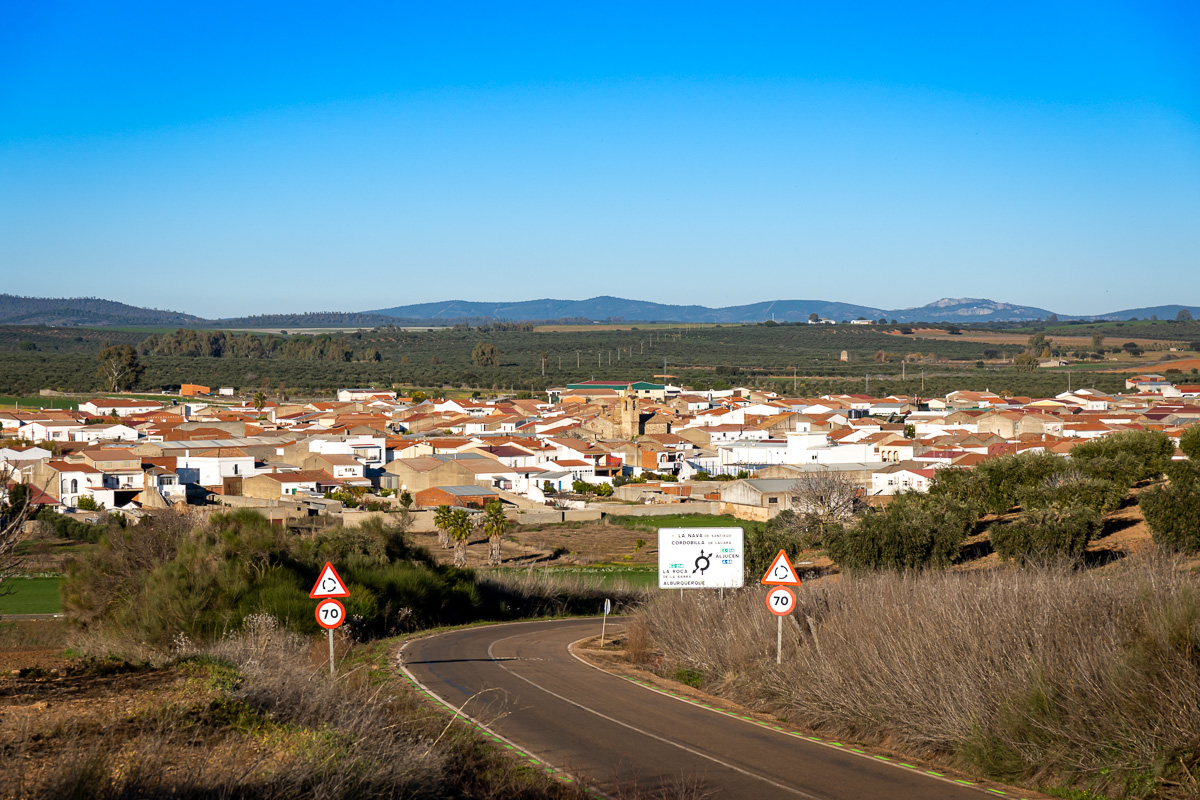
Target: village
{"points": [[585, 450]]}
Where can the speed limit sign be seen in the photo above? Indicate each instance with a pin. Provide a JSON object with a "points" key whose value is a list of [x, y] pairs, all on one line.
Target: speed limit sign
{"points": [[330, 614], [781, 601]]}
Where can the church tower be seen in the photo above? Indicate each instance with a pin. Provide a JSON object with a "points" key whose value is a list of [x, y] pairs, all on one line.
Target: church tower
{"points": [[629, 416]]}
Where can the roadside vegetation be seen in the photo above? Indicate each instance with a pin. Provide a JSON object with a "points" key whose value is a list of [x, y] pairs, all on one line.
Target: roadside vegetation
{"points": [[249, 715], [1040, 671], [1037, 676], [194, 672]]}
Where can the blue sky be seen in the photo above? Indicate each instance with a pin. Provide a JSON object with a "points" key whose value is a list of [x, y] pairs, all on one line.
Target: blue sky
{"points": [[234, 158]]}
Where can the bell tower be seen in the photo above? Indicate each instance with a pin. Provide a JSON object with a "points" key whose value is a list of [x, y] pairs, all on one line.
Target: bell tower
{"points": [[629, 416]]}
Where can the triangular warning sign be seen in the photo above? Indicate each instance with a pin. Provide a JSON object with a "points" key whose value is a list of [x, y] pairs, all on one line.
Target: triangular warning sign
{"points": [[781, 572], [329, 584]]}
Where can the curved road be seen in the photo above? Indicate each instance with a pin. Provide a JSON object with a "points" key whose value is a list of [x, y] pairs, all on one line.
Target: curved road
{"points": [[520, 681]]}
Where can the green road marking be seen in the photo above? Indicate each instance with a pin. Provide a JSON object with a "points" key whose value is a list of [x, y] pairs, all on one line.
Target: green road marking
{"points": [[509, 746], [910, 766], [837, 744], [995, 791], [931, 772], [776, 727], [883, 758], [964, 783], [856, 750]]}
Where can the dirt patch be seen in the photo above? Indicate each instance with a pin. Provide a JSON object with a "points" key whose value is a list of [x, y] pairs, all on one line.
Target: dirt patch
{"points": [[1000, 337], [570, 544]]}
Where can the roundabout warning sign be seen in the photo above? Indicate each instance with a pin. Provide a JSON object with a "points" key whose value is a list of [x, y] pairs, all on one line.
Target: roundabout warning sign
{"points": [[700, 558]]}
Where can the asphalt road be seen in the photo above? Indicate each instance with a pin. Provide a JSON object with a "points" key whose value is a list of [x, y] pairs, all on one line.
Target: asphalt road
{"points": [[521, 682]]}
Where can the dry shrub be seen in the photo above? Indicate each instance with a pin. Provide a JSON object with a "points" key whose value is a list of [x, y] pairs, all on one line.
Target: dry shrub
{"points": [[537, 593], [1035, 675], [266, 722]]}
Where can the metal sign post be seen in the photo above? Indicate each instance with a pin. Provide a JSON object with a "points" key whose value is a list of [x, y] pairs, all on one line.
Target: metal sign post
{"points": [[330, 613], [781, 601], [604, 622]]}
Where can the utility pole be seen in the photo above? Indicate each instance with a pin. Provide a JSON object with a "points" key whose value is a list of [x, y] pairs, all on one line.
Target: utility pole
{"points": [[576, 359]]}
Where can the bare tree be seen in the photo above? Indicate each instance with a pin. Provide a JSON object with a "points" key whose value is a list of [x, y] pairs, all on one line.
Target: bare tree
{"points": [[820, 497], [826, 495], [14, 512]]}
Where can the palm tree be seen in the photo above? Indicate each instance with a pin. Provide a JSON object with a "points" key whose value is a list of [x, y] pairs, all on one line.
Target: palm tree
{"points": [[460, 530], [494, 525], [260, 400], [441, 520]]}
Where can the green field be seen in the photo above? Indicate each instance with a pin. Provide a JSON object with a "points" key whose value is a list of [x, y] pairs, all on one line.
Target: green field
{"points": [[37, 403], [680, 521], [32, 596]]}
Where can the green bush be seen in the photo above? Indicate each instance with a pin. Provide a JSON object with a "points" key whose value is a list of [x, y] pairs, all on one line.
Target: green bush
{"points": [[1002, 478], [1097, 494], [1151, 452], [1189, 442], [761, 543], [963, 485], [66, 527], [916, 531], [1122, 468], [1182, 473], [1173, 514], [1045, 535]]}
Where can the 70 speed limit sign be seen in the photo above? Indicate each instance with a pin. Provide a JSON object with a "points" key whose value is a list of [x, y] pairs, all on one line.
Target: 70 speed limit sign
{"points": [[781, 601], [330, 614]]}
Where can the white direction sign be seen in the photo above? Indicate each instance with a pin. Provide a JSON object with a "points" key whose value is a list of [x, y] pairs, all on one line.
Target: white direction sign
{"points": [[700, 558]]}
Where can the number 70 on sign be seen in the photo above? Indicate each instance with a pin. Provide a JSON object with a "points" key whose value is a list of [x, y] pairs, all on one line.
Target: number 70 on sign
{"points": [[781, 601]]}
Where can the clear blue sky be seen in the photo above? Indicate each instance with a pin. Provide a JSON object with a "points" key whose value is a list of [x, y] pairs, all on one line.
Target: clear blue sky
{"points": [[230, 158]]}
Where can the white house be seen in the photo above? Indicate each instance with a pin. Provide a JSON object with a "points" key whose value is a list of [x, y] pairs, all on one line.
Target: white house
{"points": [[122, 407], [356, 395], [115, 432], [210, 466], [899, 478]]}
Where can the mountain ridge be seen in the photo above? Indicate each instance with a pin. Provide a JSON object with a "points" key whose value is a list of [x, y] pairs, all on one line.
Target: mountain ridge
{"points": [[98, 312]]}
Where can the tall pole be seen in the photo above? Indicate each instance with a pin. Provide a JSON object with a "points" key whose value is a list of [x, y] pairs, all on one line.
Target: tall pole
{"points": [[778, 640], [331, 667]]}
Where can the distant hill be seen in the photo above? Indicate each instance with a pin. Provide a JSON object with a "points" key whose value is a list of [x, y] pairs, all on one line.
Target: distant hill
{"points": [[1162, 312], [94, 312], [316, 319], [84, 311], [609, 308], [617, 308], [968, 309]]}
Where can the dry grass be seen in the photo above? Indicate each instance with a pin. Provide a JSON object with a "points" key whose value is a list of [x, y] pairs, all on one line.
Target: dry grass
{"points": [[546, 593], [252, 716], [1046, 676]]}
